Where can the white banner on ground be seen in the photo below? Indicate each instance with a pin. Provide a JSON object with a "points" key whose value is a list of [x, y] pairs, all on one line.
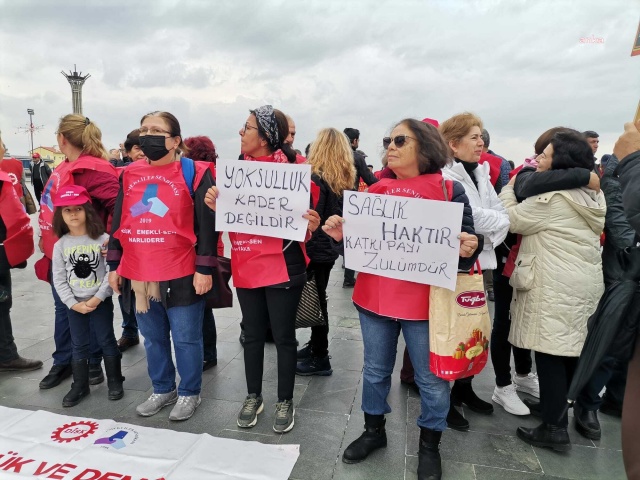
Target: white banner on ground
{"points": [[46, 445], [263, 198], [403, 238]]}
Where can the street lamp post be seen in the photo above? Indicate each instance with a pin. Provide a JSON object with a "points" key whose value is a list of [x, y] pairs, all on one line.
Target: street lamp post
{"points": [[31, 127]]}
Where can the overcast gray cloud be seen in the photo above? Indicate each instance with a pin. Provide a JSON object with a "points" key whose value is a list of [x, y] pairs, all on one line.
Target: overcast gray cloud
{"points": [[520, 65]]}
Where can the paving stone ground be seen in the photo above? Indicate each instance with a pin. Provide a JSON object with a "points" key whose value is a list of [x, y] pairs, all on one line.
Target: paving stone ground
{"points": [[328, 414]]}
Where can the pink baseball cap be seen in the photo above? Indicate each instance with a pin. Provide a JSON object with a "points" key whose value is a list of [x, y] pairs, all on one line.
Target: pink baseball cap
{"points": [[71, 195], [433, 122]]}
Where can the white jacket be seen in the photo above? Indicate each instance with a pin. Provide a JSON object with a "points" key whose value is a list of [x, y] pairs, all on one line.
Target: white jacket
{"points": [[489, 215], [557, 281]]}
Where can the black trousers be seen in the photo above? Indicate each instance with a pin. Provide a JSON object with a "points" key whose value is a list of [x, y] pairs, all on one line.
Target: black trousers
{"points": [[612, 374], [349, 275], [320, 335], [278, 306], [500, 346], [38, 187], [8, 349], [555, 374], [209, 336]]}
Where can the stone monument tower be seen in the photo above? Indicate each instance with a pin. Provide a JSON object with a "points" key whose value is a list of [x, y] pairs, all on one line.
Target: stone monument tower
{"points": [[76, 80]]}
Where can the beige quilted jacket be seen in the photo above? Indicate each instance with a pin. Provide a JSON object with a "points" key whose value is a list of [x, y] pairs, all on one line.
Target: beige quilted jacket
{"points": [[557, 282]]}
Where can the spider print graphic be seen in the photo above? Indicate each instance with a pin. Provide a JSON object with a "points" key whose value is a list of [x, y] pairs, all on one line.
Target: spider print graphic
{"points": [[84, 265]]}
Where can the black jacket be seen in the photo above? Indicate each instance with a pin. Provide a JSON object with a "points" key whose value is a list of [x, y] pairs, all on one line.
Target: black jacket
{"points": [[618, 232], [629, 171], [116, 162], [41, 171], [319, 245], [362, 171]]}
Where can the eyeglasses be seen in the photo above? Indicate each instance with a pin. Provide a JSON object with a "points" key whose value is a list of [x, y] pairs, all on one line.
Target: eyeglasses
{"points": [[153, 131], [247, 126], [399, 141]]}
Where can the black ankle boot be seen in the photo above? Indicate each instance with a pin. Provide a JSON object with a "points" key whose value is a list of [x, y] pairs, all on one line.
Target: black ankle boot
{"points": [[548, 436], [456, 421], [429, 464], [374, 437], [80, 385], [587, 423], [462, 392], [114, 377]]}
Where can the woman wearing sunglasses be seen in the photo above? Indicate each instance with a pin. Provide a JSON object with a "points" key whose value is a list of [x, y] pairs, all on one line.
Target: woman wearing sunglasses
{"points": [[463, 134], [269, 277], [160, 215], [415, 155]]}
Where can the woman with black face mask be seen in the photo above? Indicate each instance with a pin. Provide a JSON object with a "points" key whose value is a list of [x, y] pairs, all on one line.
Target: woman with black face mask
{"points": [[163, 240]]}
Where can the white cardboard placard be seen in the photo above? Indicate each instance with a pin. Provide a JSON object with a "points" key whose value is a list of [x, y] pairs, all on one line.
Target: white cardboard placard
{"points": [[403, 238], [263, 198]]}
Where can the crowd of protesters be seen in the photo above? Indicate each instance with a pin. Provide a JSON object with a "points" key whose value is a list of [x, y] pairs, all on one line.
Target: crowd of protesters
{"points": [[548, 236]]}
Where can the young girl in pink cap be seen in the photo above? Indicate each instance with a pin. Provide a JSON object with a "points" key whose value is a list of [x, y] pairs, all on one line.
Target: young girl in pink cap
{"points": [[80, 278]]}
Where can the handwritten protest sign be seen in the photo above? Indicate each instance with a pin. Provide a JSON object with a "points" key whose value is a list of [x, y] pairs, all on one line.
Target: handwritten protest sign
{"points": [[263, 198], [403, 238]]}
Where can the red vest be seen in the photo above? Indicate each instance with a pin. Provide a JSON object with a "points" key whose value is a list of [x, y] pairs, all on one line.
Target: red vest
{"points": [[156, 227], [19, 242], [60, 177], [257, 261], [495, 164], [13, 168], [515, 171], [399, 298]]}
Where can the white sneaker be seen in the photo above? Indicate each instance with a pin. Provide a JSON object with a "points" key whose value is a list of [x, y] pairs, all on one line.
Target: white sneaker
{"points": [[528, 384], [509, 400]]}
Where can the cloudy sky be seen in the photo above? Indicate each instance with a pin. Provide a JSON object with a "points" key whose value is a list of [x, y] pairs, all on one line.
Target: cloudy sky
{"points": [[522, 66]]}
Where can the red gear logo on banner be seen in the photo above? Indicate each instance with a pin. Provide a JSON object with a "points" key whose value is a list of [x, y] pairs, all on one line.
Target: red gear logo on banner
{"points": [[74, 431]]}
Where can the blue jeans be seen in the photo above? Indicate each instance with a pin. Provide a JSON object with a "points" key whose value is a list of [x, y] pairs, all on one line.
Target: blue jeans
{"points": [[62, 336], [209, 336], [184, 324], [129, 322], [101, 322], [380, 338]]}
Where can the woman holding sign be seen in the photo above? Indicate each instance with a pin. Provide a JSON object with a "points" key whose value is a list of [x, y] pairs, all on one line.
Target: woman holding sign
{"points": [[269, 274], [332, 169], [164, 241], [463, 134], [415, 154]]}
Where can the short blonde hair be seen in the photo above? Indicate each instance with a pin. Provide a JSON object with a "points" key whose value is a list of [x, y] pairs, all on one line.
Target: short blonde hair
{"points": [[82, 133], [454, 129], [331, 158]]}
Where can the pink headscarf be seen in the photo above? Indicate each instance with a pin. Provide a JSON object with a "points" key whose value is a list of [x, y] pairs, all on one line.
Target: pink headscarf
{"points": [[531, 161]]}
